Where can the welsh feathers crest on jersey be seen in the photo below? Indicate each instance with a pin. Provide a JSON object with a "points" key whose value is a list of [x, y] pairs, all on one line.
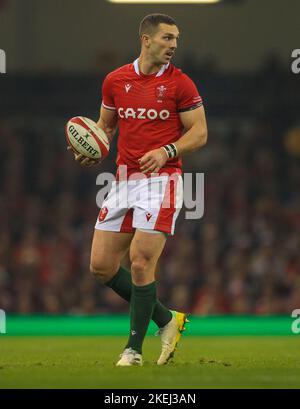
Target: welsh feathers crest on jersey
{"points": [[160, 92]]}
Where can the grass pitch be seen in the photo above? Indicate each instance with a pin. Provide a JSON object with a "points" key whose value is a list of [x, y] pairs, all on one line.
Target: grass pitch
{"points": [[200, 362]]}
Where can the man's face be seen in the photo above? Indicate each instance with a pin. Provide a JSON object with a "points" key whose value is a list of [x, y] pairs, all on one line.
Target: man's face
{"points": [[163, 43]]}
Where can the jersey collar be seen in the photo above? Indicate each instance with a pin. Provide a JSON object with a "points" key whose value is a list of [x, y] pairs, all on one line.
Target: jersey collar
{"points": [[160, 72]]}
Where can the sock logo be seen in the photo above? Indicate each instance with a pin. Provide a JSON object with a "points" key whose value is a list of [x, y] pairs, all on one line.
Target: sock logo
{"points": [[133, 332]]}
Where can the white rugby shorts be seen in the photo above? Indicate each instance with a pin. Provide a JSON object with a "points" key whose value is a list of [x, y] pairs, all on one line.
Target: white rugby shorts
{"points": [[150, 203]]}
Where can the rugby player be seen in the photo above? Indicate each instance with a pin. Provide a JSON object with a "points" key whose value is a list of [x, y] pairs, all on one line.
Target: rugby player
{"points": [[160, 116]]}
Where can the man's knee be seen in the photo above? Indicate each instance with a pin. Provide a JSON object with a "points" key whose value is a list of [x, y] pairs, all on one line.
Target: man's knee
{"points": [[103, 272], [142, 270]]}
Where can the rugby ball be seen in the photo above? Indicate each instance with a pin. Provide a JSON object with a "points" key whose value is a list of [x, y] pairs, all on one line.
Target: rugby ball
{"points": [[86, 138]]}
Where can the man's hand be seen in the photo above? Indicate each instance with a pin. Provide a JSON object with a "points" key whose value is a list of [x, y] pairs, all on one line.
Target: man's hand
{"points": [[152, 161], [84, 161]]}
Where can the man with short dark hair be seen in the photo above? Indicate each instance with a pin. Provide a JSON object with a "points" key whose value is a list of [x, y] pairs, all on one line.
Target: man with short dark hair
{"points": [[160, 117]]}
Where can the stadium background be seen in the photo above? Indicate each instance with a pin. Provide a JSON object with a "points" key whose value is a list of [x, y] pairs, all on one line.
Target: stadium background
{"points": [[243, 256]]}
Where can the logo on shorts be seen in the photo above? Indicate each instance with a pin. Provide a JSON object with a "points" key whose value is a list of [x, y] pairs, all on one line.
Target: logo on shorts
{"points": [[148, 216], [102, 214]]}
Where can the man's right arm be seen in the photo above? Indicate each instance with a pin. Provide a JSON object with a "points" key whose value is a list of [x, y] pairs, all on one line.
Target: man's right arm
{"points": [[108, 122]]}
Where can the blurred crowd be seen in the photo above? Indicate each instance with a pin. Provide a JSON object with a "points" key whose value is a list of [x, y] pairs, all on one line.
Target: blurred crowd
{"points": [[241, 257]]}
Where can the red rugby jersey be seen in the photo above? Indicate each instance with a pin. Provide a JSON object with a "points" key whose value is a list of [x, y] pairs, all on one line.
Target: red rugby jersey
{"points": [[148, 108]]}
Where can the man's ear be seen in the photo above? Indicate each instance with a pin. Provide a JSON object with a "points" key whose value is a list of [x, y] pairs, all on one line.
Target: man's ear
{"points": [[146, 40]]}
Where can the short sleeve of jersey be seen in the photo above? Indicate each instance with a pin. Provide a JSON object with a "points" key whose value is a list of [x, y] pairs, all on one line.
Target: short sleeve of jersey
{"points": [[188, 97], [107, 95]]}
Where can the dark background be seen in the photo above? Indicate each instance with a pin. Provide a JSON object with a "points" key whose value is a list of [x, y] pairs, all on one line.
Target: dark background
{"points": [[243, 255]]}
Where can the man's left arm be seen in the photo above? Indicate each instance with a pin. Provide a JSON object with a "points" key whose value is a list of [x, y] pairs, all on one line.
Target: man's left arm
{"points": [[194, 137]]}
